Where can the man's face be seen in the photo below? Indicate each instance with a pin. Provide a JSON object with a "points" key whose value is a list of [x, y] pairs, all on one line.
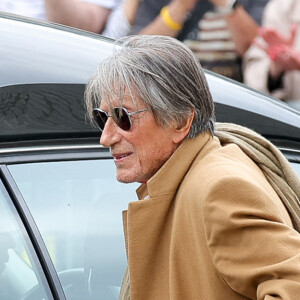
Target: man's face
{"points": [[140, 152]]}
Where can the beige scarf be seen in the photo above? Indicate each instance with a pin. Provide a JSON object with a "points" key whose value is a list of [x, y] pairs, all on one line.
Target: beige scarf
{"points": [[277, 169], [279, 172]]}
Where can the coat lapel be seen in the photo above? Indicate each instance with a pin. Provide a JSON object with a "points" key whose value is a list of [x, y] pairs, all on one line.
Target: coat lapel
{"points": [[149, 222]]}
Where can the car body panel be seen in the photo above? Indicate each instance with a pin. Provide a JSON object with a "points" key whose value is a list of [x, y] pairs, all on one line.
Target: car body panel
{"points": [[39, 53], [63, 56]]}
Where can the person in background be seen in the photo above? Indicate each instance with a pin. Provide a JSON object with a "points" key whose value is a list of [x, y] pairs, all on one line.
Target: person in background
{"points": [[272, 64], [110, 18], [90, 15], [209, 223], [223, 36], [218, 31]]}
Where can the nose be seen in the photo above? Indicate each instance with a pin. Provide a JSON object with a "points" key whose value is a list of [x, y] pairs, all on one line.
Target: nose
{"points": [[110, 134]]}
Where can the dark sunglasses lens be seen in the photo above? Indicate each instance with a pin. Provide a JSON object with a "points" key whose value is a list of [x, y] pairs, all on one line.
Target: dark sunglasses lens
{"points": [[122, 118], [100, 118]]}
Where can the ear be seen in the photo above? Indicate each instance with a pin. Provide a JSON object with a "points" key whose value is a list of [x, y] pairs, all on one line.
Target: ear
{"points": [[183, 130]]}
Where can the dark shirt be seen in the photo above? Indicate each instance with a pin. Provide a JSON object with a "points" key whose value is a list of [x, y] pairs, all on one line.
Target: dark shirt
{"points": [[150, 9], [255, 8]]}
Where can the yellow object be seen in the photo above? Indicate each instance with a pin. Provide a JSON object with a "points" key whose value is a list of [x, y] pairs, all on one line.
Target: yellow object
{"points": [[165, 15]]}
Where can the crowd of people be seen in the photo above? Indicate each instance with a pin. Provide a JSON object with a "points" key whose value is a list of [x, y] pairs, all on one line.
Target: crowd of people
{"points": [[235, 38]]}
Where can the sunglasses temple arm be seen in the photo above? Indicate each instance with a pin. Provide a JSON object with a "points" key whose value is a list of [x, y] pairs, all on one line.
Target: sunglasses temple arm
{"points": [[137, 112]]}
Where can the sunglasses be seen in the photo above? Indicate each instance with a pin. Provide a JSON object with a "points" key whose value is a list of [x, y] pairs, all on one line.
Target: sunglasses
{"points": [[120, 115]]}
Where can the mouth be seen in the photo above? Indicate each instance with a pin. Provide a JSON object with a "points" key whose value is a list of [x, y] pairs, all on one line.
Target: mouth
{"points": [[121, 156]]}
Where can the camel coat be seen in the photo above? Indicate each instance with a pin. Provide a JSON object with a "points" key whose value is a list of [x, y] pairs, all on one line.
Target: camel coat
{"points": [[209, 226], [280, 14]]}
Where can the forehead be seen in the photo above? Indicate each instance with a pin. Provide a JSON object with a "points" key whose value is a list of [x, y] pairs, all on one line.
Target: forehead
{"points": [[125, 98]]}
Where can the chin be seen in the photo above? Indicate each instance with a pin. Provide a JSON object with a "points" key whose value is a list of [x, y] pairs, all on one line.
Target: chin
{"points": [[126, 179], [130, 177]]}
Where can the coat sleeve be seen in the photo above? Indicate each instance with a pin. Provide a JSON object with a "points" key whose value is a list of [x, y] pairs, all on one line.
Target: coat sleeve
{"points": [[252, 246]]}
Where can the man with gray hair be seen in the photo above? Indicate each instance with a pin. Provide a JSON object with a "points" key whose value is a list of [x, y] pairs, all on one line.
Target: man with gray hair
{"points": [[208, 225]]}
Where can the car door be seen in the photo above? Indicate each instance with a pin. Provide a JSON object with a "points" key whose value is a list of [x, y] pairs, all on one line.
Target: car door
{"points": [[77, 207], [53, 162]]}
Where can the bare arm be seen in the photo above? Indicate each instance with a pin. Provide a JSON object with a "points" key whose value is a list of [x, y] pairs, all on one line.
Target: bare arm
{"points": [[243, 29], [130, 10], [242, 26], [79, 14], [178, 10]]}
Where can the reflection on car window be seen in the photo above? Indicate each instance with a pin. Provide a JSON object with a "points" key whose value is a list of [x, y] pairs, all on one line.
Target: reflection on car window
{"points": [[20, 274], [78, 208], [41, 110]]}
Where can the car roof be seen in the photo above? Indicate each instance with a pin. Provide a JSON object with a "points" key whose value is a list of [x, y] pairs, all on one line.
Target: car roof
{"points": [[34, 51], [39, 56]]}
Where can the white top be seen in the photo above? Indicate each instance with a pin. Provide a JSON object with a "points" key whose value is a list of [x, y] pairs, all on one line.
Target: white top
{"points": [[117, 24], [36, 8]]}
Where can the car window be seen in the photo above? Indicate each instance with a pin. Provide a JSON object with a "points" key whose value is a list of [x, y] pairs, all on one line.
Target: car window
{"points": [[77, 206], [42, 111], [21, 276], [296, 167]]}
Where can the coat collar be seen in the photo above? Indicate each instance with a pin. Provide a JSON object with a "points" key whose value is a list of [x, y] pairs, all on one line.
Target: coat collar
{"points": [[147, 222], [164, 181]]}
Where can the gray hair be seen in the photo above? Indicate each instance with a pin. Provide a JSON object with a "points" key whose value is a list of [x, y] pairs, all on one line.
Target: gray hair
{"points": [[164, 73]]}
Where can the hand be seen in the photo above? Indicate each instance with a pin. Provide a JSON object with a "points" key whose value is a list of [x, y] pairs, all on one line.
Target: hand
{"points": [[274, 38], [285, 57], [280, 49]]}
